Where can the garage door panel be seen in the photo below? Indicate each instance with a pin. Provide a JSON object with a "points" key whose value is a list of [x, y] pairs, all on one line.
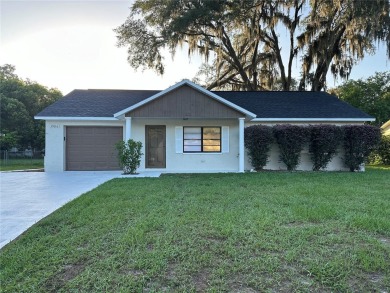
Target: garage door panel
{"points": [[87, 131], [72, 130], [117, 131], [92, 148], [101, 132]]}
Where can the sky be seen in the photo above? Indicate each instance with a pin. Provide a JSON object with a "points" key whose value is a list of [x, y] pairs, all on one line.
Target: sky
{"points": [[71, 45]]}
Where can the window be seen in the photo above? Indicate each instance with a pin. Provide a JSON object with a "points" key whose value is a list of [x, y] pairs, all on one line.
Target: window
{"points": [[202, 139]]}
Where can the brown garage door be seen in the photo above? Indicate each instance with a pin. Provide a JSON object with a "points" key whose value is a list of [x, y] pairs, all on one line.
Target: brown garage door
{"points": [[92, 148]]}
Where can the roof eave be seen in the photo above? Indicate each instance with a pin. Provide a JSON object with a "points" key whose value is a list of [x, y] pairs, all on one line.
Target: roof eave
{"points": [[63, 118], [314, 119]]}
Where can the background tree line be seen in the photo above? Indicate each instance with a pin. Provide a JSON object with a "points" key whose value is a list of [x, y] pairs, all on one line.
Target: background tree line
{"points": [[20, 101], [371, 95], [253, 44]]}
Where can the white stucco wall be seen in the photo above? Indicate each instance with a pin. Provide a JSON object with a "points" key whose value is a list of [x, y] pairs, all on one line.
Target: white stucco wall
{"points": [[220, 162], [177, 162], [55, 143], [191, 162]]}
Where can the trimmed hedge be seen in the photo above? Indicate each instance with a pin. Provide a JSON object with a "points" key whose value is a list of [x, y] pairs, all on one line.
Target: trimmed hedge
{"points": [[359, 142], [324, 141], [384, 150], [258, 140], [291, 140]]}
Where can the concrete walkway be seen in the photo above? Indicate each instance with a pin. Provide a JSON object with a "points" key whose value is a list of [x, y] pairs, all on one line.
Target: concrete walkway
{"points": [[27, 197]]}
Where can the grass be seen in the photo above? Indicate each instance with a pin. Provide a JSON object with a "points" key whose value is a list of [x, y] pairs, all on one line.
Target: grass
{"points": [[379, 167], [20, 164], [255, 232]]}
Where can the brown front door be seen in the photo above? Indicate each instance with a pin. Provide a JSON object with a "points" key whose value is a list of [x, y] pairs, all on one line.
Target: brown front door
{"points": [[155, 146]]}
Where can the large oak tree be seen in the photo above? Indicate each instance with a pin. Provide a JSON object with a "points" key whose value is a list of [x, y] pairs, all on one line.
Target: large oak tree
{"points": [[255, 43]]}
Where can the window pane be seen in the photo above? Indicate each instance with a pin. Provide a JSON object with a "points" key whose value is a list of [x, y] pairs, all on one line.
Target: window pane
{"points": [[192, 130], [212, 136], [211, 148], [193, 142], [192, 148], [211, 142], [212, 132], [192, 135]]}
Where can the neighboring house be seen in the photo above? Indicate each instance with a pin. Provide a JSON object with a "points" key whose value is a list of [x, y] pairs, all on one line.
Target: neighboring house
{"points": [[386, 128], [184, 128]]}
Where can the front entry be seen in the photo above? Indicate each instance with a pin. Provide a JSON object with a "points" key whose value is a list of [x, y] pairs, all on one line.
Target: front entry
{"points": [[155, 146]]}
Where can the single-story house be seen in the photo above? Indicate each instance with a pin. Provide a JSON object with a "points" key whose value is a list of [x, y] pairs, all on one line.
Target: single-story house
{"points": [[184, 128], [386, 128]]}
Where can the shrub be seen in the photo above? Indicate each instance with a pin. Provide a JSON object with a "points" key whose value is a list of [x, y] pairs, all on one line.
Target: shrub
{"points": [[384, 150], [359, 142], [324, 141], [291, 139], [8, 140], [129, 155], [258, 139]]}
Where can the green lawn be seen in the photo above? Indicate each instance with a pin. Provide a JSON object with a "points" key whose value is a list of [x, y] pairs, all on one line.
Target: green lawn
{"points": [[254, 232], [379, 167], [20, 164]]}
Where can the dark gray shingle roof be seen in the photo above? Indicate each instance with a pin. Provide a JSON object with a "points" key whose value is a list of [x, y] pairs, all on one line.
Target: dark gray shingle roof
{"points": [[105, 103], [293, 104], [95, 103]]}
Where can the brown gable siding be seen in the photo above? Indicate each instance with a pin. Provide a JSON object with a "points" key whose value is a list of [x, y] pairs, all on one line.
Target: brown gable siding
{"points": [[184, 102]]}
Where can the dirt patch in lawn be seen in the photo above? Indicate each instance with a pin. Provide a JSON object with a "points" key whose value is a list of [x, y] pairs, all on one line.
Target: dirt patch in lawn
{"points": [[376, 277], [385, 241], [201, 281], [236, 287], [69, 272], [171, 271]]}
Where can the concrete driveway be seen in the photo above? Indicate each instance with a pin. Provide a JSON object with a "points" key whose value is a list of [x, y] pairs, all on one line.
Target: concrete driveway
{"points": [[27, 197]]}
